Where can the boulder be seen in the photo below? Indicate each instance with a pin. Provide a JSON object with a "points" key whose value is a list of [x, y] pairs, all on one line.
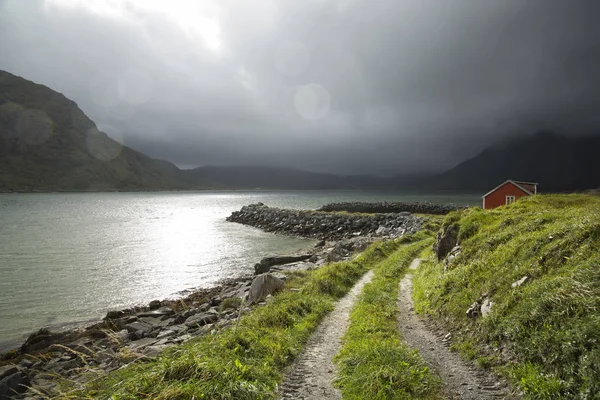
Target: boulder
{"points": [[140, 329], [7, 370], [201, 319], [154, 304], [13, 384], [113, 315], [445, 241], [266, 263], [44, 338], [486, 307], [262, 286]]}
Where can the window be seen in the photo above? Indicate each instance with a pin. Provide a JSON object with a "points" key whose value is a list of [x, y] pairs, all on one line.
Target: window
{"points": [[510, 199]]}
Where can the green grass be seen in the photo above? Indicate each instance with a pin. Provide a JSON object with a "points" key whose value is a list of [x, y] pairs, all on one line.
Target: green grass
{"points": [[246, 363], [374, 363], [545, 334]]}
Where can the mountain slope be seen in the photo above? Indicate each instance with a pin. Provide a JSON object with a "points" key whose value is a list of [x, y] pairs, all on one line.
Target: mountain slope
{"points": [[557, 163], [263, 177], [48, 143]]}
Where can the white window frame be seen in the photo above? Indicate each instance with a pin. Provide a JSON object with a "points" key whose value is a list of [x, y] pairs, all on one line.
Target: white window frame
{"points": [[510, 200]]}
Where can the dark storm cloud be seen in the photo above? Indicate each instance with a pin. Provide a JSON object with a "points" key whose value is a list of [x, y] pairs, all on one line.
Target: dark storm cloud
{"points": [[350, 86]]}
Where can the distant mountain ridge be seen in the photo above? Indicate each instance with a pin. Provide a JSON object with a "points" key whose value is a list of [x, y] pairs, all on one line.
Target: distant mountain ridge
{"points": [[265, 177], [48, 144], [556, 162]]}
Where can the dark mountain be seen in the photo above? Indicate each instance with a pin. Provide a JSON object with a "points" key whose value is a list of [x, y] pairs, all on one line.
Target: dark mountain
{"points": [[47, 143], [556, 162], [253, 177]]}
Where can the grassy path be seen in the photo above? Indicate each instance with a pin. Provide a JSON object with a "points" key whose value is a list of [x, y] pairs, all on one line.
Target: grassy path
{"points": [[460, 380], [311, 376], [374, 363]]}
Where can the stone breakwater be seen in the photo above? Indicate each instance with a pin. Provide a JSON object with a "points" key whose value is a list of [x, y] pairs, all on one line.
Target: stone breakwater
{"points": [[328, 226], [392, 207]]}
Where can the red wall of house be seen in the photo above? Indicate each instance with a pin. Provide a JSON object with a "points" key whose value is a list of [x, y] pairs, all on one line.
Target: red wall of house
{"points": [[498, 197]]}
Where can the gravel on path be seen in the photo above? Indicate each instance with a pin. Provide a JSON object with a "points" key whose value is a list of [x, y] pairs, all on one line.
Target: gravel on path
{"points": [[311, 376], [460, 379]]}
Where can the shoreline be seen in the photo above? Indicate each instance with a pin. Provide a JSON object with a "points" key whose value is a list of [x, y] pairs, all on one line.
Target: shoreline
{"points": [[81, 351]]}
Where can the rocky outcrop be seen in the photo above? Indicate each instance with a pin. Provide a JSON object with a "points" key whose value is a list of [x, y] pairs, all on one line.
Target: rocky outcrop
{"points": [[263, 286], [330, 226], [392, 207], [445, 241], [266, 263]]}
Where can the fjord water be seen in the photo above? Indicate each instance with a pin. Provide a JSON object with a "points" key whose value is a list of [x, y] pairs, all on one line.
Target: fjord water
{"points": [[71, 257]]}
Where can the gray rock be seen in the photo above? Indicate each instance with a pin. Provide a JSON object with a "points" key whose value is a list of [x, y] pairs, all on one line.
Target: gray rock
{"points": [[474, 310], [7, 370], [104, 356], [137, 344], [382, 230], [445, 241], [201, 319], [519, 282], [154, 350], [25, 363], [262, 286], [266, 263], [162, 311], [121, 336], [486, 307], [113, 315], [154, 304], [13, 384], [138, 326], [166, 334]]}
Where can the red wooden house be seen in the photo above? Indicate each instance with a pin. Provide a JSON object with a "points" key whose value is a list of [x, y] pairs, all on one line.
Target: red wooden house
{"points": [[507, 193]]}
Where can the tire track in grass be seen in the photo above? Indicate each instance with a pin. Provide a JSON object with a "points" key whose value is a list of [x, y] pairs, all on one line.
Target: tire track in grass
{"points": [[311, 375], [460, 380]]}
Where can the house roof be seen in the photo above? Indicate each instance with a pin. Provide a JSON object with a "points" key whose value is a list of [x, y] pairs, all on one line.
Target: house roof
{"points": [[518, 184]]}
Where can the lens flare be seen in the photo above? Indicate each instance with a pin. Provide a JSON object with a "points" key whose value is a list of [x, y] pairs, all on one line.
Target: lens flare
{"points": [[103, 147], [312, 101]]}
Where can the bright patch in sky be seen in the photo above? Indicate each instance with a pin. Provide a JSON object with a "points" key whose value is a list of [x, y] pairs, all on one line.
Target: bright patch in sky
{"points": [[196, 18]]}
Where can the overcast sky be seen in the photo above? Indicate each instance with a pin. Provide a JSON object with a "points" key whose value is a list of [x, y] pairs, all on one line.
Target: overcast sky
{"points": [[344, 86]]}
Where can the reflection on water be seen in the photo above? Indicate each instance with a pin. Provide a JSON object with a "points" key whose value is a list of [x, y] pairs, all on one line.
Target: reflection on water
{"points": [[71, 257]]}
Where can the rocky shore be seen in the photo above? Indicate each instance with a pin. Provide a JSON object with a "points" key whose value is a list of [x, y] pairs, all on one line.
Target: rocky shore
{"points": [[322, 225], [50, 359], [392, 207]]}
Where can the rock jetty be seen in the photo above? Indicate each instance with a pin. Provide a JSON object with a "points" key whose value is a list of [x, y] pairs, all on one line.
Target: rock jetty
{"points": [[322, 225], [392, 207]]}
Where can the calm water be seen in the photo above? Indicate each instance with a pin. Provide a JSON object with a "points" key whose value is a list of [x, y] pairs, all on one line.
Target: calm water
{"points": [[72, 257]]}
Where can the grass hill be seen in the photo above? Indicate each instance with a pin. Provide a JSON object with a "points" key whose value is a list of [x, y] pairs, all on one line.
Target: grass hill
{"points": [[543, 333], [47, 143]]}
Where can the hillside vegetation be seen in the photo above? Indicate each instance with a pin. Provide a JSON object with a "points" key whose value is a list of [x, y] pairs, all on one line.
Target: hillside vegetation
{"points": [[543, 333]]}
